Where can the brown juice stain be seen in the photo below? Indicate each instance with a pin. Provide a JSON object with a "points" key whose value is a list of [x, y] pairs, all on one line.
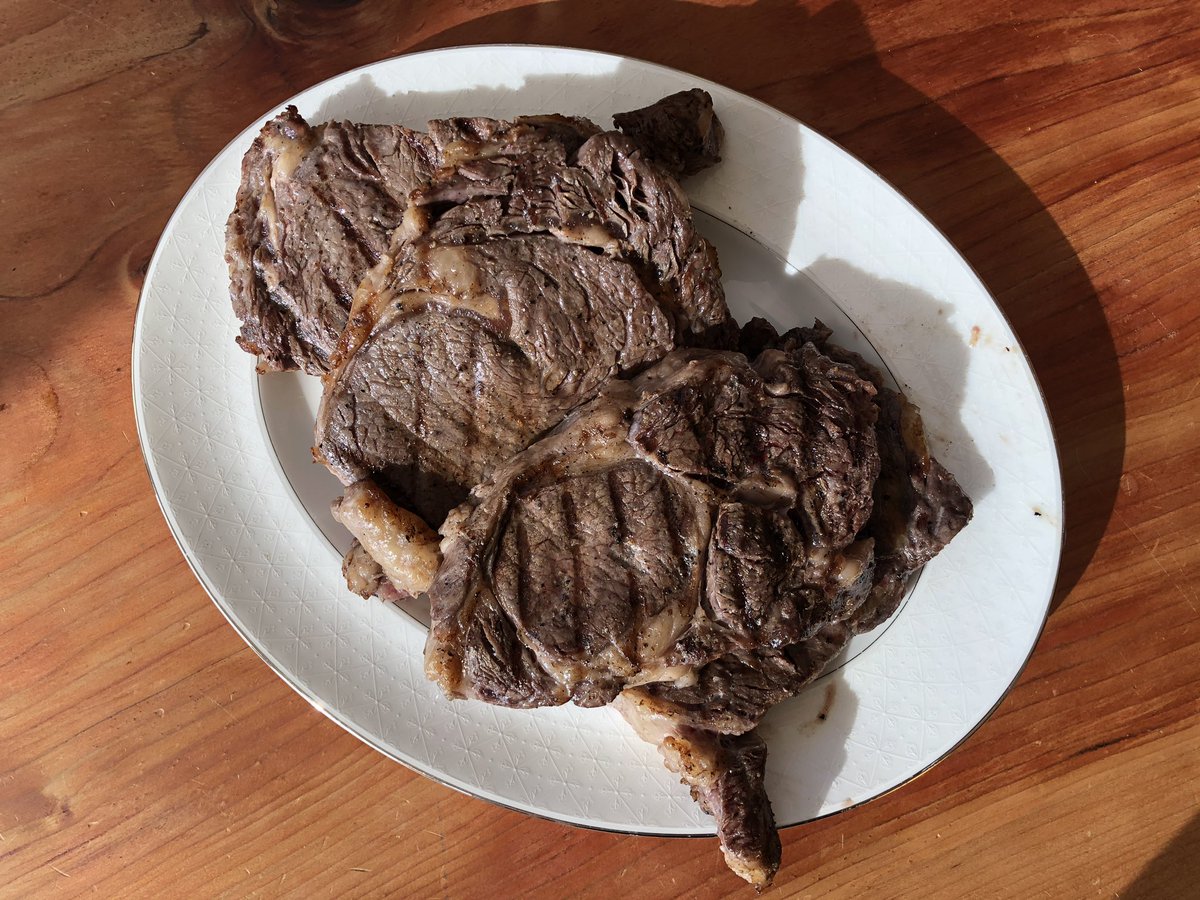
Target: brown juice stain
{"points": [[975, 331], [830, 696], [823, 713]]}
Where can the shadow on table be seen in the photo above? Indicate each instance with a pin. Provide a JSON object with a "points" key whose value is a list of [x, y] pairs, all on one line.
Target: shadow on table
{"points": [[841, 88], [1173, 873]]}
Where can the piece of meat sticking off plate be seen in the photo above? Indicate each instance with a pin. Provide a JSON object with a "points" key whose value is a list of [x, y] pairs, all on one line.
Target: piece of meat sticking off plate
{"points": [[549, 426]]}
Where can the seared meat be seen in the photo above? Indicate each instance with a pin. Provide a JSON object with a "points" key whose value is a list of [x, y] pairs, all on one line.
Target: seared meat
{"points": [[681, 132], [917, 509], [535, 266], [317, 205], [604, 195], [579, 567], [314, 212], [476, 350], [705, 735]]}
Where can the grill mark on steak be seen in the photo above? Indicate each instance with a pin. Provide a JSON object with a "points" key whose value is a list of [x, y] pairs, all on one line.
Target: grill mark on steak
{"points": [[735, 581], [360, 154], [523, 582], [623, 535], [618, 507], [349, 229], [478, 371], [672, 525], [754, 439], [335, 289], [574, 591]]}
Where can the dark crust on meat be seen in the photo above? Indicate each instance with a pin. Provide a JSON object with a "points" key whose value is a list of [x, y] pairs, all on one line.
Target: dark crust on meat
{"points": [[919, 506], [681, 132]]}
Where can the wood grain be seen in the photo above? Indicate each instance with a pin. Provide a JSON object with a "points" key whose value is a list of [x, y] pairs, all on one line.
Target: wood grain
{"points": [[144, 750]]}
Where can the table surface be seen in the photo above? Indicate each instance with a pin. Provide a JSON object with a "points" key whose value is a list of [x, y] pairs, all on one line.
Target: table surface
{"points": [[147, 750]]}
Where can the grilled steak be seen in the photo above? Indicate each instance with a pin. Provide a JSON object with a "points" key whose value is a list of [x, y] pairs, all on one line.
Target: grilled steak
{"points": [[314, 212], [701, 540], [918, 508], [708, 506], [706, 511], [731, 694], [605, 196], [536, 265], [317, 204]]}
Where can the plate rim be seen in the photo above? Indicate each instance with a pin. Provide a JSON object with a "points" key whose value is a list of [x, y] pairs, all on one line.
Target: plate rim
{"points": [[418, 766]]}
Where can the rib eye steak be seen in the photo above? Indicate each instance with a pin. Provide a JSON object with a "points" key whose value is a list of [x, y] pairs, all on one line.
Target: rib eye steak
{"points": [[701, 540], [534, 266], [706, 506], [314, 212], [317, 204]]}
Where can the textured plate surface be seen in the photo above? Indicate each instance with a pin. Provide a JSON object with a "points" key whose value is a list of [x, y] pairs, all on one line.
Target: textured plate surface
{"points": [[819, 232]]}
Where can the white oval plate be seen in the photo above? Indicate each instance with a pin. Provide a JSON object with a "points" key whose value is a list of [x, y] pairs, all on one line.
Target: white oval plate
{"points": [[802, 228]]}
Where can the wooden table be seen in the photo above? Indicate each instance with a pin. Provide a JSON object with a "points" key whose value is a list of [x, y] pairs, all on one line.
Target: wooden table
{"points": [[146, 751]]}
